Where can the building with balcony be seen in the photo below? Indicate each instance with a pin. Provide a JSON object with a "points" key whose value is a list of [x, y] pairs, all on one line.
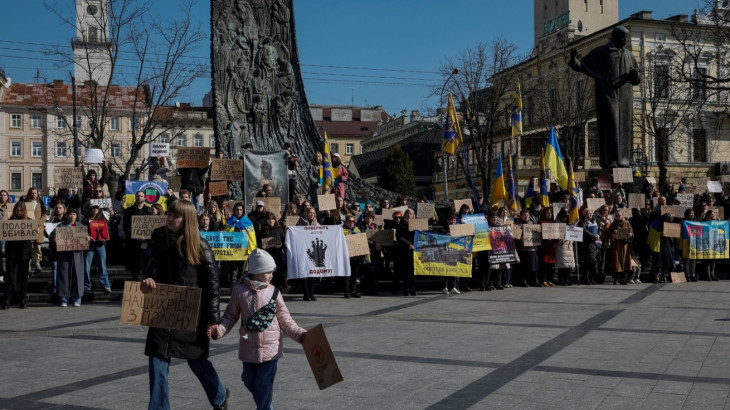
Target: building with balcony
{"points": [[347, 127]]}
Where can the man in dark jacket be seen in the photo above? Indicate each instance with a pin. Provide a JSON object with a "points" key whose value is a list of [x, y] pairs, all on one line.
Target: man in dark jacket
{"points": [[192, 180], [133, 245]]}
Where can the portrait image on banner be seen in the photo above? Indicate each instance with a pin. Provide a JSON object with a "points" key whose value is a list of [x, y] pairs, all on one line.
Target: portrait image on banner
{"points": [[503, 245], [316, 252], [442, 255], [705, 240], [265, 168], [481, 231], [154, 192]]}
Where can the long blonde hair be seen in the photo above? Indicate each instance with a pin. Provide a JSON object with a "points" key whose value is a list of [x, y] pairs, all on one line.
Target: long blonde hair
{"points": [[190, 232]]}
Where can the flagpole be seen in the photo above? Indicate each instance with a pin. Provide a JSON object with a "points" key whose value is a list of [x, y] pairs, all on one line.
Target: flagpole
{"points": [[443, 154], [463, 150]]}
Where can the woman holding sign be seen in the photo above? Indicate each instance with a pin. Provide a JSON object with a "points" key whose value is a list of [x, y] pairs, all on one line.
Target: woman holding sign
{"points": [[18, 254], [70, 285], [619, 252], [99, 232]]}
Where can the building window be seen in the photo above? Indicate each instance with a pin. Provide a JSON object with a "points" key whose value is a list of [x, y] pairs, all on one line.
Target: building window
{"points": [[60, 149], [16, 182], [349, 149], [198, 140], [89, 122], [661, 145], [530, 145], [80, 152], [182, 140], [60, 121], [165, 138], [116, 150], [699, 143], [36, 149], [114, 124], [130, 147], [36, 180], [593, 139], [580, 92], [699, 84], [16, 148], [661, 81], [36, 121], [334, 147], [93, 34], [134, 124], [79, 122], [16, 121]]}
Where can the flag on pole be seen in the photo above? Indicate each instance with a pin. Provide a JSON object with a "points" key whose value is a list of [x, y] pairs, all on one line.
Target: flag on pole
{"points": [[517, 111], [544, 182], [510, 188], [554, 160], [499, 193], [530, 193], [326, 167], [452, 131], [574, 201]]}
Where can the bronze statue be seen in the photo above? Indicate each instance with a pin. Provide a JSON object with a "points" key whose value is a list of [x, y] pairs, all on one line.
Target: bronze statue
{"points": [[615, 72]]}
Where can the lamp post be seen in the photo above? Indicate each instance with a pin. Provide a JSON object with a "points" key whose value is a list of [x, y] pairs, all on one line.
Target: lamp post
{"points": [[640, 161], [443, 154]]}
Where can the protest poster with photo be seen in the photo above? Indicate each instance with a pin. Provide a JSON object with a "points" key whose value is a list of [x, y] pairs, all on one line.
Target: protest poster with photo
{"points": [[71, 238], [99, 230], [19, 230], [227, 246], [481, 231], [143, 225], [442, 255], [193, 157], [262, 169], [166, 306], [154, 192], [69, 178], [503, 245], [604, 182], [226, 170]]}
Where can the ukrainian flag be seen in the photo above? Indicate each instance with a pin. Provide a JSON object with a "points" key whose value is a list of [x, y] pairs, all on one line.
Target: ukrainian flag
{"points": [[554, 160], [326, 167], [530, 193], [574, 201], [517, 111], [544, 182], [510, 188], [499, 193], [452, 132]]}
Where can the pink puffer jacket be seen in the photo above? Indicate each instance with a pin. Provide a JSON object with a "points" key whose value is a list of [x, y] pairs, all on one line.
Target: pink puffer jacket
{"points": [[258, 347]]}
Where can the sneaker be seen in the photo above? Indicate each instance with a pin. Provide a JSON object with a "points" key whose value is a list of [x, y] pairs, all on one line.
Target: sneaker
{"points": [[107, 290], [76, 304], [224, 406], [631, 281], [2, 279], [63, 304], [445, 291], [455, 291], [637, 282]]}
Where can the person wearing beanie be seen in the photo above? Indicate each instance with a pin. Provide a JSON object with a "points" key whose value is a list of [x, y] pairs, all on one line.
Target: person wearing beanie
{"points": [[259, 349]]}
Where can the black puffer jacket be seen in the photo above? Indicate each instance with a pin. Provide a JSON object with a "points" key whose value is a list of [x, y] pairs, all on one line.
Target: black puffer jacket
{"points": [[169, 267]]}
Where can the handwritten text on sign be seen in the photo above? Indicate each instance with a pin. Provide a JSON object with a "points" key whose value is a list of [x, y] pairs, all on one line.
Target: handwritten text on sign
{"points": [[143, 225], [18, 230], [226, 170], [72, 238], [193, 157], [68, 178], [167, 306]]}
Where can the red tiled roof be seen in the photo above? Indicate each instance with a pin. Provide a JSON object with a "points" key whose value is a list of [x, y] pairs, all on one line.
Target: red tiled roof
{"points": [[49, 95]]}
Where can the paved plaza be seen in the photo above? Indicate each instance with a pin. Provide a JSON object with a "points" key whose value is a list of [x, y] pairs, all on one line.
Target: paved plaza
{"points": [[588, 347]]}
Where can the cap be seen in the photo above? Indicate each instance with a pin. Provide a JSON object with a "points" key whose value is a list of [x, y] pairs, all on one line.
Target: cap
{"points": [[336, 155], [260, 261], [260, 203]]}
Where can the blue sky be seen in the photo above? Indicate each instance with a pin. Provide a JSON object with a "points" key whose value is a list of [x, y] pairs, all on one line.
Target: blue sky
{"points": [[374, 52]]}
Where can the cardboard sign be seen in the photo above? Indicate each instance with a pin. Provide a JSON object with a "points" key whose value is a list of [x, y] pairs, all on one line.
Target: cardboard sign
{"points": [[272, 204], [227, 207], [604, 182], [672, 230], [218, 188], [292, 220], [461, 230], [159, 149], [666, 209], [420, 224], [68, 178], [714, 186], [326, 202], [382, 237], [72, 238], [425, 210], [320, 357], [725, 178], [357, 245], [595, 203], [680, 210], [531, 234], [226, 170], [379, 220], [193, 157], [557, 206], [273, 242], [143, 225], [637, 201], [573, 233], [94, 156], [388, 214], [686, 199], [675, 177], [551, 231], [678, 277], [700, 183], [579, 176], [166, 306], [623, 175], [19, 230], [459, 202], [174, 182], [102, 203], [719, 211], [651, 180], [99, 230], [623, 233]]}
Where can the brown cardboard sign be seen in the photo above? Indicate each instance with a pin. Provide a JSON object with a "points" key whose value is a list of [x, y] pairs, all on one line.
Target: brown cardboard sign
{"points": [[579, 176], [678, 277], [531, 234], [623, 233], [226, 170], [425, 210], [292, 220], [357, 244], [551, 231], [174, 182], [19, 230], [517, 231], [379, 220], [461, 230], [228, 207], [166, 306], [382, 237], [420, 224], [666, 209], [326, 202], [143, 225], [193, 157], [672, 230], [272, 204], [719, 211], [604, 182], [218, 188], [320, 357], [388, 213], [675, 177], [459, 202], [637, 201], [595, 203], [72, 238], [68, 178], [623, 175], [273, 242]]}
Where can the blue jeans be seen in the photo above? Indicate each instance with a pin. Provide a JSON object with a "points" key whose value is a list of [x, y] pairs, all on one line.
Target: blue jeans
{"points": [[259, 380], [54, 273], [100, 251], [203, 370]]}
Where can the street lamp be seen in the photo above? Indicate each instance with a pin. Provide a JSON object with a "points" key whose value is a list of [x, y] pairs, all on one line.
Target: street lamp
{"points": [[640, 161], [443, 154]]}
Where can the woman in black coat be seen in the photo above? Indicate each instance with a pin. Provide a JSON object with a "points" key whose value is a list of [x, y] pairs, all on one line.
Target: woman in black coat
{"points": [[271, 239], [590, 248], [181, 257], [17, 257]]}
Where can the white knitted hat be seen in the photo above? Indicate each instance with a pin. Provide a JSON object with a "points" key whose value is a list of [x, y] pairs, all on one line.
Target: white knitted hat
{"points": [[260, 262]]}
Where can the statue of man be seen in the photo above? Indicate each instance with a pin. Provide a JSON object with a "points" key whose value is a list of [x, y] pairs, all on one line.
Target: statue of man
{"points": [[615, 72]]}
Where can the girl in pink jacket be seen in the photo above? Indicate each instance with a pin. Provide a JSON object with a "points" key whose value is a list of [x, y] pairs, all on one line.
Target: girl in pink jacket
{"points": [[261, 344]]}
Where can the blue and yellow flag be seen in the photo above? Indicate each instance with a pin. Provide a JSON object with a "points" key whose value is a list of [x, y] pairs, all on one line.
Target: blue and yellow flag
{"points": [[705, 240], [155, 192], [574, 201], [517, 111], [510, 188], [554, 160], [452, 131], [530, 193], [442, 255], [499, 193], [544, 182], [327, 178]]}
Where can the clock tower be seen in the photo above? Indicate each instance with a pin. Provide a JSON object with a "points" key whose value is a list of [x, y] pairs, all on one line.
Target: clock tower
{"points": [[560, 21], [91, 46]]}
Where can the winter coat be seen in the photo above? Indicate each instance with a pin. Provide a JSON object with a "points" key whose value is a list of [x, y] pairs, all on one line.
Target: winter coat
{"points": [[547, 250], [564, 256], [619, 252], [169, 267], [258, 347], [192, 179], [589, 248]]}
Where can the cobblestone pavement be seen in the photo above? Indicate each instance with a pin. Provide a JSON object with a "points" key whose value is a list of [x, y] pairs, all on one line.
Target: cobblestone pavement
{"points": [[622, 347]]}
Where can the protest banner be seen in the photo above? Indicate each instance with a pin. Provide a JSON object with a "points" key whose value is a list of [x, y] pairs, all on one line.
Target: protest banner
{"points": [[425, 210], [459, 202], [69, 178], [166, 306], [266, 169], [623, 233], [623, 175], [503, 245], [481, 231], [218, 188], [99, 230], [159, 149], [420, 224], [94, 156], [675, 177], [551, 231], [531, 234], [143, 225], [705, 240], [316, 252], [102, 203], [193, 157], [579, 176], [686, 199], [272, 242], [272, 204], [321, 359], [357, 245], [461, 230], [72, 238], [672, 230], [573, 233], [326, 202], [714, 186], [226, 170], [19, 230], [154, 192], [442, 255], [292, 220], [594, 203], [227, 246], [382, 237], [637, 201], [604, 182]]}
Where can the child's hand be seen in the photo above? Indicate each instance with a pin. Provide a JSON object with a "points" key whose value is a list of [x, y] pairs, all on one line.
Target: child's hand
{"points": [[213, 332]]}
